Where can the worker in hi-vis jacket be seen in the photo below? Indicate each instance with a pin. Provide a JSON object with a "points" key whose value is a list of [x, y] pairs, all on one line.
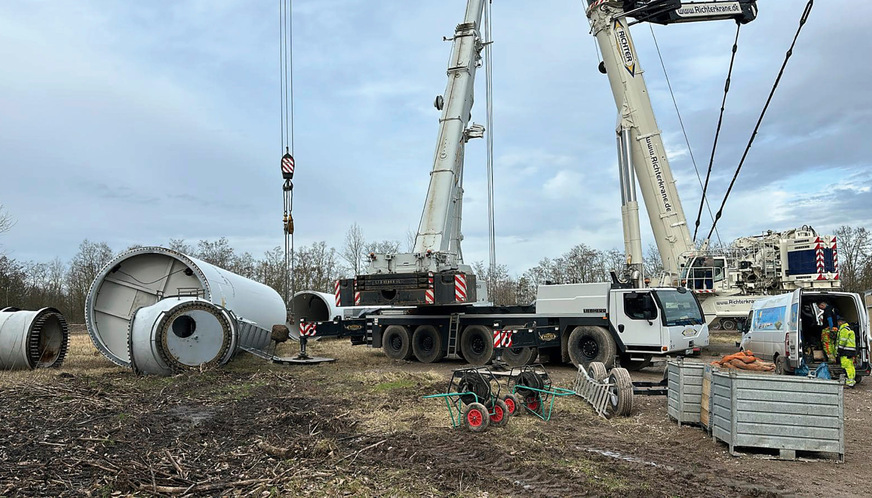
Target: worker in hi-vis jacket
{"points": [[847, 351], [830, 320]]}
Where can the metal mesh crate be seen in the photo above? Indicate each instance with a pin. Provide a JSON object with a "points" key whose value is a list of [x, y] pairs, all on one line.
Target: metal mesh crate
{"points": [[780, 412], [684, 384]]}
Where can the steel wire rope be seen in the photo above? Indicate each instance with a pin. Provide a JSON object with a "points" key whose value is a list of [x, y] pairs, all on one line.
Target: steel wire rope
{"points": [[286, 73], [717, 135], [681, 122], [802, 21], [488, 61]]}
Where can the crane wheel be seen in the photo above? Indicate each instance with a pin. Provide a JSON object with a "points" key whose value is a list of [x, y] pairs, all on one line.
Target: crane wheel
{"points": [[477, 344], [427, 344], [397, 342], [587, 344], [518, 357]]}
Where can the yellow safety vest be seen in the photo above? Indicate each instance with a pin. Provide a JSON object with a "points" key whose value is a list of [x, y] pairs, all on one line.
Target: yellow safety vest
{"points": [[847, 338]]}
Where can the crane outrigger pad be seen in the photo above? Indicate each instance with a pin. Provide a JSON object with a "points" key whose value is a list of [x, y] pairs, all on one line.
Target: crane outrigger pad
{"points": [[300, 359]]}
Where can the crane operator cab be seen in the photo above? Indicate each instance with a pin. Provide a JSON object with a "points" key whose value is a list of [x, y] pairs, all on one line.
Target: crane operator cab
{"points": [[704, 273], [674, 313]]}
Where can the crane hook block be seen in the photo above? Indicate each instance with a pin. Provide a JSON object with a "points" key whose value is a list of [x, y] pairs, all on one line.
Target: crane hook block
{"points": [[287, 166]]}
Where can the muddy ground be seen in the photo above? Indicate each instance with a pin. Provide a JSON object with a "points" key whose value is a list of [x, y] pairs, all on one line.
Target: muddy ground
{"points": [[360, 427]]}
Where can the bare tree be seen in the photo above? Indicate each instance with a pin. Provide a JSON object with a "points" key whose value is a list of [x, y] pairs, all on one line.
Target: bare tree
{"points": [[383, 247], [181, 246], [501, 287], [6, 221], [218, 252], [410, 239], [271, 269], [354, 250], [652, 264], [92, 257], [853, 251], [317, 267]]}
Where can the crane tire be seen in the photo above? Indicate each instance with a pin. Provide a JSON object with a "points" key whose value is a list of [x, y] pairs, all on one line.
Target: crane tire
{"points": [[518, 357], [427, 344], [597, 371], [620, 401], [397, 342], [590, 343], [477, 344]]}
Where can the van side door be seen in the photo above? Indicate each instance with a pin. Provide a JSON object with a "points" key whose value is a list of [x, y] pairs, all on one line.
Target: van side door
{"points": [[793, 339]]}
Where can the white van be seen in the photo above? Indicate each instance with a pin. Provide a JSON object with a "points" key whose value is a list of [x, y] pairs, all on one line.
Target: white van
{"points": [[785, 328]]}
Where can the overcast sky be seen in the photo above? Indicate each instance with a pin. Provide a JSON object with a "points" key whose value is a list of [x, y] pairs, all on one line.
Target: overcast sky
{"points": [[137, 122]]}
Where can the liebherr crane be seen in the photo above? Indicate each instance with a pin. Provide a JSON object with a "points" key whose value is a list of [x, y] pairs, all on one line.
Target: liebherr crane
{"points": [[434, 273], [725, 282], [432, 289]]}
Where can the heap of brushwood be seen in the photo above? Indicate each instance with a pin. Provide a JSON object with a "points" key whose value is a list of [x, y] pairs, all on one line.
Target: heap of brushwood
{"points": [[744, 360]]}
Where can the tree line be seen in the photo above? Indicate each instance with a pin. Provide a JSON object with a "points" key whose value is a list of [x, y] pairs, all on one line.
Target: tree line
{"points": [[65, 284]]}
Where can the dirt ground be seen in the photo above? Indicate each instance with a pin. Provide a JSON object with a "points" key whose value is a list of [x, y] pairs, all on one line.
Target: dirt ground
{"points": [[360, 427]]}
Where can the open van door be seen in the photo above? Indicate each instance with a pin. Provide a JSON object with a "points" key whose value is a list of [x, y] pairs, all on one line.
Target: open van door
{"points": [[793, 337]]}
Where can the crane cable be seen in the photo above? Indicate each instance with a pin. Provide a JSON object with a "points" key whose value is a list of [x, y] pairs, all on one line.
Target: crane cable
{"points": [[708, 173], [802, 21], [683, 130], [488, 67], [286, 83]]}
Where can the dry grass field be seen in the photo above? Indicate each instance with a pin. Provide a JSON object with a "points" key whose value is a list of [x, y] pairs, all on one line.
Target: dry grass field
{"points": [[359, 427]]}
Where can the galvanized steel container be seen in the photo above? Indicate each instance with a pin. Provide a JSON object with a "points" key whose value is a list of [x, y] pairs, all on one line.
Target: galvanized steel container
{"points": [[684, 391], [780, 412]]}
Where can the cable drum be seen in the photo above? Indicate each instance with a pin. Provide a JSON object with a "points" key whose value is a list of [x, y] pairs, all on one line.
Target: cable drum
{"points": [[179, 334], [32, 339]]}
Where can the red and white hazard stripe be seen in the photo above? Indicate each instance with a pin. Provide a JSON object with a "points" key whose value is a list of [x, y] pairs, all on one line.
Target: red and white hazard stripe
{"points": [[288, 164], [460, 288], [356, 298], [336, 292], [835, 258], [308, 329], [502, 338], [430, 294], [819, 258], [596, 4], [704, 291]]}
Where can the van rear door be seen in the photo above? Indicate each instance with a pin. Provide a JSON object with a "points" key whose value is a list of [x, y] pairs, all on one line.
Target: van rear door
{"points": [[793, 339]]}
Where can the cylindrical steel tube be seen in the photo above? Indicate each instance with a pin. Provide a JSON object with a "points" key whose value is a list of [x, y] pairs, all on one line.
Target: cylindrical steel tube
{"points": [[142, 277], [32, 339], [177, 334]]}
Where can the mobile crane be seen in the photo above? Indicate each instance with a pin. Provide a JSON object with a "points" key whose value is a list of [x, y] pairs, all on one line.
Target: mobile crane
{"points": [[725, 281], [420, 305]]}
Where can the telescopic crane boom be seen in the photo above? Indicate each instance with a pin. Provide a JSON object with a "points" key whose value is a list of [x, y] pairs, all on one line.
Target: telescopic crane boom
{"points": [[640, 148], [726, 281], [434, 272]]}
